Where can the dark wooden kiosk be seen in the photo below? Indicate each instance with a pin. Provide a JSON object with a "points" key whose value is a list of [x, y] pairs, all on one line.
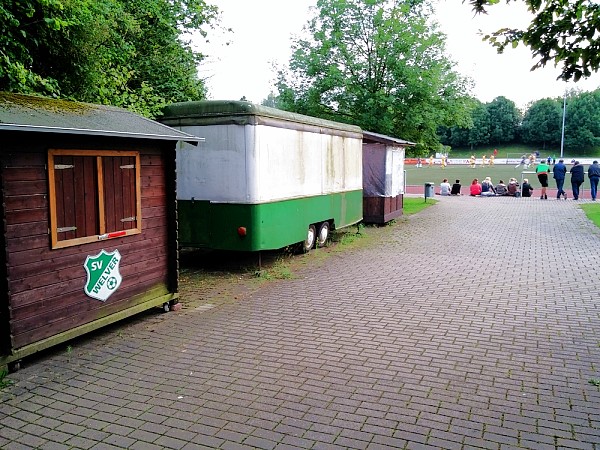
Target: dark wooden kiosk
{"points": [[383, 177], [89, 219]]}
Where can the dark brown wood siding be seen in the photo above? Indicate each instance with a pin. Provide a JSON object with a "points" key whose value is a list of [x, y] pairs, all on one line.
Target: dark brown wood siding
{"points": [[46, 287], [380, 210]]}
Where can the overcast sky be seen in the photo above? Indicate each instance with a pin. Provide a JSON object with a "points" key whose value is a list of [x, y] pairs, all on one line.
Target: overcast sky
{"points": [[263, 29]]}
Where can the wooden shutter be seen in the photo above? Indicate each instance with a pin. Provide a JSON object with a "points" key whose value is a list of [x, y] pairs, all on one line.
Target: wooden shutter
{"points": [[76, 196], [120, 193]]}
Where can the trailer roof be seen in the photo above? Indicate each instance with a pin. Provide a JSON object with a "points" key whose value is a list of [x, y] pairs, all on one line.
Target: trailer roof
{"points": [[382, 138], [228, 111], [29, 113]]}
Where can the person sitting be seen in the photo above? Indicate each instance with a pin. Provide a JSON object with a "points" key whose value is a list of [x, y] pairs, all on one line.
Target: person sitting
{"points": [[501, 188], [487, 187], [445, 187], [455, 188], [475, 188], [526, 189], [513, 187]]}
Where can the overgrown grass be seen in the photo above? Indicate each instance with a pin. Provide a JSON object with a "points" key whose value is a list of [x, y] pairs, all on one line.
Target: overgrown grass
{"points": [[278, 270], [3, 380]]}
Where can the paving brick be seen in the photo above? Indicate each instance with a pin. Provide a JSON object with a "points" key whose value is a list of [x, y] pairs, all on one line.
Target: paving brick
{"points": [[400, 343]]}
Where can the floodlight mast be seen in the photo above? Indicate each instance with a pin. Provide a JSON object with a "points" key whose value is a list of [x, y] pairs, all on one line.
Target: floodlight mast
{"points": [[562, 137]]}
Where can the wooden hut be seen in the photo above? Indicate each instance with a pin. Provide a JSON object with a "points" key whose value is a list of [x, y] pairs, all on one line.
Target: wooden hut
{"points": [[89, 219], [383, 177]]}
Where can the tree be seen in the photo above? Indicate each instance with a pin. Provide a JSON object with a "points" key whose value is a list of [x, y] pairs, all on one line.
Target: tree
{"points": [[378, 64], [476, 134], [582, 131], [542, 123], [562, 31], [120, 52], [504, 119], [479, 134]]}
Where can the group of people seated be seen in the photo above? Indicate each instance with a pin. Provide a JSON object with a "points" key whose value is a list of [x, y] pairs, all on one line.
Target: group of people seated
{"points": [[446, 189], [487, 189]]}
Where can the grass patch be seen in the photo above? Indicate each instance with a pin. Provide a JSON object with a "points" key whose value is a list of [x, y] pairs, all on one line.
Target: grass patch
{"points": [[4, 382], [592, 211], [349, 235], [519, 148], [413, 205], [278, 270]]}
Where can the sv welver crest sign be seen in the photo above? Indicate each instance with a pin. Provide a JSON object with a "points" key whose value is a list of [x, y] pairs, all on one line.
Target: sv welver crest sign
{"points": [[103, 277]]}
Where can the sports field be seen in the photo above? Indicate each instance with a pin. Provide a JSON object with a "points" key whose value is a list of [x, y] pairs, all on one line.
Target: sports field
{"points": [[435, 174]]}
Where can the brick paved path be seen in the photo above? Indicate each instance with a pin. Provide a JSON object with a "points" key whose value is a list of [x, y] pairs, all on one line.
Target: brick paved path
{"points": [[475, 324]]}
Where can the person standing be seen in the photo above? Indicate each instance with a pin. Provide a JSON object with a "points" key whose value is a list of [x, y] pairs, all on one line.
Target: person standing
{"points": [[577, 178], [594, 176], [542, 170], [560, 172]]}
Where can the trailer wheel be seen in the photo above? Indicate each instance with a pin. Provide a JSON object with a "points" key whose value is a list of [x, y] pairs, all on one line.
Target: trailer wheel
{"points": [[311, 237], [166, 307], [323, 234]]}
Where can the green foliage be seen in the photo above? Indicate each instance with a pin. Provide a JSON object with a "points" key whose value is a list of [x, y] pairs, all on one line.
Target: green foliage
{"points": [[541, 127], [582, 131], [542, 123], [119, 52], [562, 32], [504, 120], [4, 382], [492, 123], [378, 64], [479, 134]]}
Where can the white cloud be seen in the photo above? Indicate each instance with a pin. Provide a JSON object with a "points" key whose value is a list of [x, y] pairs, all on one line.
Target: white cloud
{"points": [[506, 74], [263, 31], [262, 34]]}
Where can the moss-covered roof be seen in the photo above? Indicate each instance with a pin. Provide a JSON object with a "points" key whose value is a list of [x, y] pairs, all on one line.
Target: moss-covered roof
{"points": [[224, 111], [29, 113]]}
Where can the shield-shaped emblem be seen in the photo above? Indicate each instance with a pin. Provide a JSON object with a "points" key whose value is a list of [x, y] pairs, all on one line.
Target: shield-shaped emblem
{"points": [[103, 277]]}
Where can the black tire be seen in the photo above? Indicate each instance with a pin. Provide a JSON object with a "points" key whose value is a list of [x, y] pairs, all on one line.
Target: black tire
{"points": [[323, 234], [311, 237]]}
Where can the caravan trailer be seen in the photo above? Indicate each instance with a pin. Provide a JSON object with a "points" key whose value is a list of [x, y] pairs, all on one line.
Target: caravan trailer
{"points": [[264, 178]]}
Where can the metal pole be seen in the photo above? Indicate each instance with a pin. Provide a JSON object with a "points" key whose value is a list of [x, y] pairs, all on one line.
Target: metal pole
{"points": [[562, 138]]}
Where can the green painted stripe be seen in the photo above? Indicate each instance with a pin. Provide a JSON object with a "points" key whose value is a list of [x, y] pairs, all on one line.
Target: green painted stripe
{"points": [[269, 226]]}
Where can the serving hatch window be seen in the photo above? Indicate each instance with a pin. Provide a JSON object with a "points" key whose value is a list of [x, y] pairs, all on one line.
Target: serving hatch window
{"points": [[94, 195]]}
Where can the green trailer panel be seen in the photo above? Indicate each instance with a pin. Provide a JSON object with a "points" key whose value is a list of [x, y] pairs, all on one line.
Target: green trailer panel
{"points": [[268, 226]]}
